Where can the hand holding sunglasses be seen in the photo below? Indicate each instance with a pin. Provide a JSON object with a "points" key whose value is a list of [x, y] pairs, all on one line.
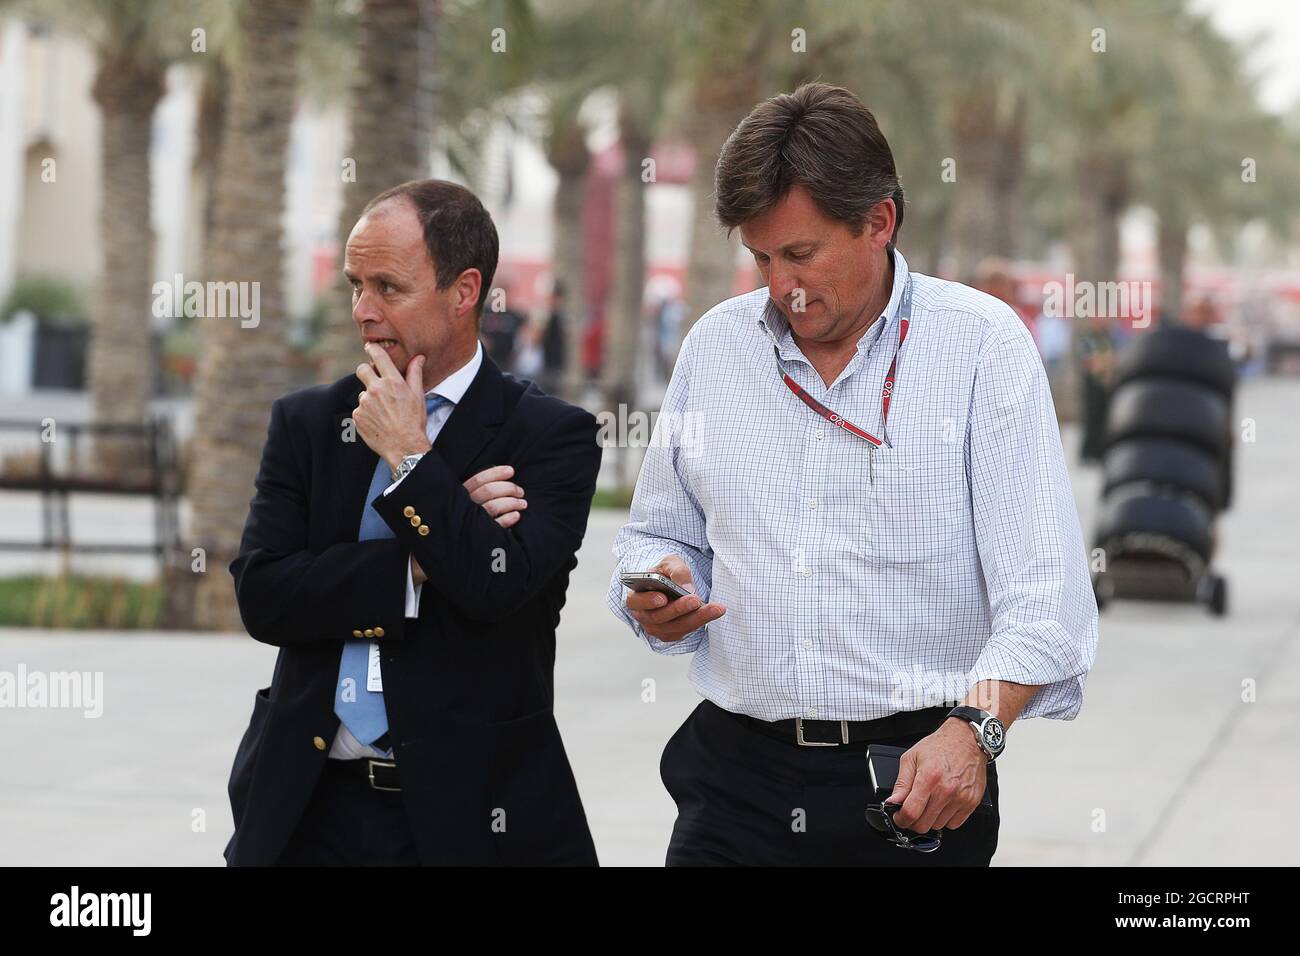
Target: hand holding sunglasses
{"points": [[882, 768]]}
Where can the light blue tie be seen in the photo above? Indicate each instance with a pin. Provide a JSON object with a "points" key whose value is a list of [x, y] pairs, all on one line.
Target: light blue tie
{"points": [[361, 710]]}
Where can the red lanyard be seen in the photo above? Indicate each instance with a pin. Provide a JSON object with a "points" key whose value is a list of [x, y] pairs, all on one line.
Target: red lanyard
{"points": [[885, 393]]}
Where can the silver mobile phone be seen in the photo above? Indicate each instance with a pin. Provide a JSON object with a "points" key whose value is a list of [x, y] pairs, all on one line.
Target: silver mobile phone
{"points": [[653, 581]]}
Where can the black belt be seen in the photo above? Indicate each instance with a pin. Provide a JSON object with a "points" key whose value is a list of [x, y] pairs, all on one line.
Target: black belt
{"points": [[837, 733], [380, 774]]}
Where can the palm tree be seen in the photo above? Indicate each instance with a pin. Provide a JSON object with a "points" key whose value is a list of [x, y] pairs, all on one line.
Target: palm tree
{"points": [[242, 369], [1204, 127], [134, 44], [725, 84], [392, 116], [128, 85], [426, 75], [565, 142]]}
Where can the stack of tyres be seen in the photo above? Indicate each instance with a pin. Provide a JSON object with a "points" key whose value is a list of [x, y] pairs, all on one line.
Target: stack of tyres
{"points": [[1167, 470]]}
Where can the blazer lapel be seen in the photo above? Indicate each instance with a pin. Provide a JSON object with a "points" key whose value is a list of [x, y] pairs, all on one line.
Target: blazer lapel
{"points": [[474, 421]]}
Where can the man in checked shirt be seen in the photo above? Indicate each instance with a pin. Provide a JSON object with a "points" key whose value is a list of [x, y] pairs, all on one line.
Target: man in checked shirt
{"points": [[857, 472]]}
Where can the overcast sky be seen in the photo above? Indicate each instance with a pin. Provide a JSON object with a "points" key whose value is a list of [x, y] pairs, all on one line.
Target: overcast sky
{"points": [[1277, 61]]}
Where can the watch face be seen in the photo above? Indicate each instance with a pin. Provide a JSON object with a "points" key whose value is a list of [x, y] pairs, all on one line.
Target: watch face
{"points": [[993, 734]]}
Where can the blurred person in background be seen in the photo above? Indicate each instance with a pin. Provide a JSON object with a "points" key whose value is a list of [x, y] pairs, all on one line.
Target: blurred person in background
{"points": [[500, 329], [1054, 346], [669, 315], [593, 346], [1202, 315], [555, 342], [1097, 355], [993, 275]]}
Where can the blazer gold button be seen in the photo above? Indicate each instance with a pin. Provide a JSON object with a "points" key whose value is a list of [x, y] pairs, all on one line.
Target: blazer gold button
{"points": [[319, 742], [379, 632], [370, 632], [424, 529], [356, 633], [408, 511], [415, 521]]}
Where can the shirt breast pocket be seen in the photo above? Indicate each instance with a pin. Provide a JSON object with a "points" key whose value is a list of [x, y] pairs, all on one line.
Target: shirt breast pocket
{"points": [[919, 507]]}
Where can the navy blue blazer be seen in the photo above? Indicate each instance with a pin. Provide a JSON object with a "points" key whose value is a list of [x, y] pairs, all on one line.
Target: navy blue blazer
{"points": [[469, 685]]}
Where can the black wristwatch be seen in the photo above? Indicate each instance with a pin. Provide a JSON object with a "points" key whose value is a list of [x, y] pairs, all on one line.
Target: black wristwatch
{"points": [[989, 732]]}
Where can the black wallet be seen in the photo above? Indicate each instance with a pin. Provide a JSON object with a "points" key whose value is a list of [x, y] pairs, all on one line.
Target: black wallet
{"points": [[882, 769]]}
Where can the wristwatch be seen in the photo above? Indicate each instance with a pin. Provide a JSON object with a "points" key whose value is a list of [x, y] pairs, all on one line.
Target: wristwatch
{"points": [[404, 467], [989, 732]]}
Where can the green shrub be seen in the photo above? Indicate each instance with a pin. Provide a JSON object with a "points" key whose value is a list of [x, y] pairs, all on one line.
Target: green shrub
{"points": [[67, 602], [53, 300]]}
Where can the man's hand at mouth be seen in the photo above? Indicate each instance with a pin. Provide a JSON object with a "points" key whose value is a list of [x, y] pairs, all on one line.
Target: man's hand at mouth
{"points": [[390, 414]]}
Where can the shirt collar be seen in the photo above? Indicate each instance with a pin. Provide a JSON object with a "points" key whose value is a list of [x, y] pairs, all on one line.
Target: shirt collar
{"points": [[777, 328], [454, 386]]}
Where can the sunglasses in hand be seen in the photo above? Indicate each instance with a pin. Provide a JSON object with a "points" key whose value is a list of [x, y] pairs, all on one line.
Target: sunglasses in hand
{"points": [[880, 816], [882, 769]]}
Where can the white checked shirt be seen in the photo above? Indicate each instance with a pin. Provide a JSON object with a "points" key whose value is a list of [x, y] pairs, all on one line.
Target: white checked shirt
{"points": [[854, 593]]}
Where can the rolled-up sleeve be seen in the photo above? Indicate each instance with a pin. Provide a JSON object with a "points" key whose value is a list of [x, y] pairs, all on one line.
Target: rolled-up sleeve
{"points": [[666, 518], [1030, 544]]}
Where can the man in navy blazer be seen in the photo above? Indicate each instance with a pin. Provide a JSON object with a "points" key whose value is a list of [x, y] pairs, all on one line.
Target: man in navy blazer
{"points": [[408, 550]]}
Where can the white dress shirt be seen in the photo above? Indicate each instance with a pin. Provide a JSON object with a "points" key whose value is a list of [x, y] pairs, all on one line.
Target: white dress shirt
{"points": [[854, 592], [452, 388]]}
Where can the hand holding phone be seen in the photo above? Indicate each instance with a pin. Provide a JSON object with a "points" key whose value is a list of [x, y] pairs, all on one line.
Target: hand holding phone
{"points": [[664, 603]]}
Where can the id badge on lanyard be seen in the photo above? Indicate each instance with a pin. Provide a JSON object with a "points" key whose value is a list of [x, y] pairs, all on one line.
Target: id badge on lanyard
{"points": [[886, 391]]}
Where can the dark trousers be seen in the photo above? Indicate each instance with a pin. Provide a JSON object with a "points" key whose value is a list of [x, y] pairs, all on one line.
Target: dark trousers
{"points": [[349, 823], [746, 799]]}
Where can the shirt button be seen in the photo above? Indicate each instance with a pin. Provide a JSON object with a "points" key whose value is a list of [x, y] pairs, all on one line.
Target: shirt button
{"points": [[812, 711], [807, 644], [812, 502], [819, 434], [807, 572]]}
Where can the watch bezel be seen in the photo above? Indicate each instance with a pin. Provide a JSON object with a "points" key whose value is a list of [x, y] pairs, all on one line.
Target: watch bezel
{"points": [[993, 749], [980, 721], [406, 465]]}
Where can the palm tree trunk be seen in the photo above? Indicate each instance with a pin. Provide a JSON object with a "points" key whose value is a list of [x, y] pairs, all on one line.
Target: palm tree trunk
{"points": [[975, 208], [209, 125], [722, 99], [566, 151], [1171, 245], [392, 121], [243, 369], [120, 369], [624, 317], [1009, 179]]}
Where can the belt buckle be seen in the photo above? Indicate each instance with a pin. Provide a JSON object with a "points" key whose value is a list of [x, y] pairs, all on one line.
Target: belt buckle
{"points": [[798, 735], [370, 768]]}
